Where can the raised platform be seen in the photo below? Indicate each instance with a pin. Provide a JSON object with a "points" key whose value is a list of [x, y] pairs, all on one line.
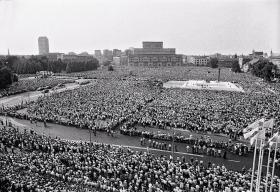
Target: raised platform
{"points": [[203, 85]]}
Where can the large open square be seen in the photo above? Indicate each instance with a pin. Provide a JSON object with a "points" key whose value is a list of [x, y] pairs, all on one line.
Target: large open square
{"points": [[204, 85]]}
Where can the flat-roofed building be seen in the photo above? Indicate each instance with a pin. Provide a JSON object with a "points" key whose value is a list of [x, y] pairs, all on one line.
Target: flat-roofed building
{"points": [[43, 44], [154, 55], [199, 60]]}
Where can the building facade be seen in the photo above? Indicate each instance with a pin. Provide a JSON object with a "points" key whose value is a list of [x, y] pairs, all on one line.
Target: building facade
{"points": [[108, 55], [75, 58], [43, 44], [117, 52], [198, 60], [154, 55]]}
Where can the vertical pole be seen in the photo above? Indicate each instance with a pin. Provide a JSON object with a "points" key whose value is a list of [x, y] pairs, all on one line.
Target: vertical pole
{"points": [[258, 173], [219, 74], [90, 135], [267, 168], [173, 138], [173, 144], [273, 168], [253, 168]]}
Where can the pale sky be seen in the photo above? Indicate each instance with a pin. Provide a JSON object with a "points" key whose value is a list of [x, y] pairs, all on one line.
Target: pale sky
{"points": [[192, 27]]}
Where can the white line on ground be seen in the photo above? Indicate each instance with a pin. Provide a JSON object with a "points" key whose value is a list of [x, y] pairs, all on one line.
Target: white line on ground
{"points": [[234, 161]]}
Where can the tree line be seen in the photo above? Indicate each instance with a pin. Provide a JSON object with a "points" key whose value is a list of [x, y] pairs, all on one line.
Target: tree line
{"points": [[21, 65], [7, 77], [12, 65]]}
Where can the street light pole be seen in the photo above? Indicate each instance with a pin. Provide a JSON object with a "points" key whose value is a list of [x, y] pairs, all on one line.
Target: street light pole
{"points": [[173, 144], [90, 135], [173, 133]]}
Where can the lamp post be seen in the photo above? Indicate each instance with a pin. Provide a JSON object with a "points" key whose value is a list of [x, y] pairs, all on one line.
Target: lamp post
{"points": [[173, 133], [90, 135]]}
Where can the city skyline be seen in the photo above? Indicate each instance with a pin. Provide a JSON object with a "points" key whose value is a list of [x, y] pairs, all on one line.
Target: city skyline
{"points": [[192, 27]]}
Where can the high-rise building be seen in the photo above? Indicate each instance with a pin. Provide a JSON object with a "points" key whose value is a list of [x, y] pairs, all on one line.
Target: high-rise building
{"points": [[97, 53], [43, 44], [108, 55], [117, 53]]}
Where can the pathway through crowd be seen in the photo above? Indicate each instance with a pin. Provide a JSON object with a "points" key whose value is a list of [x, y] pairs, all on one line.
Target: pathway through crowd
{"points": [[233, 161]]}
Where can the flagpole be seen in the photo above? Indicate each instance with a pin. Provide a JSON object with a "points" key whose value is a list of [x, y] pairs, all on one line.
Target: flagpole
{"points": [[253, 168], [267, 168], [258, 173], [274, 158]]}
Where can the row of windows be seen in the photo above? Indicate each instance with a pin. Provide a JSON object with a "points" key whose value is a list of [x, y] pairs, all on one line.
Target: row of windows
{"points": [[155, 64], [155, 59]]}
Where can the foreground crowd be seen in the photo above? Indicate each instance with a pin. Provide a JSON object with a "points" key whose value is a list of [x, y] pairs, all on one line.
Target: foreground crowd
{"points": [[31, 162]]}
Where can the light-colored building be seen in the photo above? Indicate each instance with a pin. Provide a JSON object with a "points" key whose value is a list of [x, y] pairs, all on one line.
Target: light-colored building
{"points": [[257, 54], [108, 55], [116, 60], [43, 45], [117, 52], [54, 56], [154, 55], [77, 58], [97, 53], [198, 60]]}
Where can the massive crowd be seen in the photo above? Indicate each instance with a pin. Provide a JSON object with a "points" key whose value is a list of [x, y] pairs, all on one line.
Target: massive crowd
{"points": [[203, 145], [111, 102], [31, 162], [128, 100]]}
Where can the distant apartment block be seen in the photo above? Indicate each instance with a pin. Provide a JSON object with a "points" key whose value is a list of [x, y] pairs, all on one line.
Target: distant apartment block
{"points": [[75, 58], [117, 53], [108, 55], [199, 60], [43, 44]]}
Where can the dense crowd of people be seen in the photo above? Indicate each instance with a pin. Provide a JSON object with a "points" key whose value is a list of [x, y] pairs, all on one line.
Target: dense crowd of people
{"points": [[203, 145], [31, 162], [125, 100], [141, 101]]}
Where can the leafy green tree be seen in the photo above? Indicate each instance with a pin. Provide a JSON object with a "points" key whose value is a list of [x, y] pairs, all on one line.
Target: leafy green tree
{"points": [[235, 67], [264, 69], [213, 63], [6, 77]]}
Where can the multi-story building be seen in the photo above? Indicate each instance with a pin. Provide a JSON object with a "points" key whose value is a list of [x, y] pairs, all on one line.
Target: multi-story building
{"points": [[154, 55], [117, 52], [108, 55], [98, 55], [198, 60], [75, 58], [54, 56], [257, 54], [43, 44]]}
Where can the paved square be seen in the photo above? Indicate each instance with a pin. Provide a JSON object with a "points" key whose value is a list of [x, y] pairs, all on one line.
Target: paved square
{"points": [[202, 84]]}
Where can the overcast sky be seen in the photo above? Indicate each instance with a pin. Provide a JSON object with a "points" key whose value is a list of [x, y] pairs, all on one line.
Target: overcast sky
{"points": [[192, 27]]}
